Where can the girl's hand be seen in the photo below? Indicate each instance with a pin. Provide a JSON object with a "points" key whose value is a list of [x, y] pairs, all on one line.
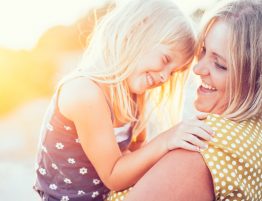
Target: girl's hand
{"points": [[189, 134]]}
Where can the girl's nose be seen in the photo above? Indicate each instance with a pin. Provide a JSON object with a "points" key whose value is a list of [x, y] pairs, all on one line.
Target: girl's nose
{"points": [[163, 77]]}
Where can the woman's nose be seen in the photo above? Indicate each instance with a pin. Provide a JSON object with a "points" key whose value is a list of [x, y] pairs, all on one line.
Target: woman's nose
{"points": [[201, 68]]}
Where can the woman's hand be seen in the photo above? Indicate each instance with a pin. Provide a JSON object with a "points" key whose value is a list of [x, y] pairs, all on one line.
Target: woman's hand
{"points": [[189, 134]]}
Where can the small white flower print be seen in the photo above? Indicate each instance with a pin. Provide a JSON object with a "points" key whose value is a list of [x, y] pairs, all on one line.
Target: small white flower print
{"points": [[71, 161], [54, 166], [42, 171], [36, 166], [77, 140], [59, 145], [53, 186], [67, 181], [95, 194], [65, 198], [67, 128], [49, 127], [83, 171], [44, 149], [81, 192], [96, 181]]}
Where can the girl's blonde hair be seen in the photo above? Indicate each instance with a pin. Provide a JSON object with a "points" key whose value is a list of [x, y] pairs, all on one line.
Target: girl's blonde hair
{"points": [[122, 37], [244, 87]]}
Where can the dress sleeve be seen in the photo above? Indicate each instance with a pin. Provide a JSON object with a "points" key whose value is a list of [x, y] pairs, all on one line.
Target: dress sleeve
{"points": [[234, 158]]}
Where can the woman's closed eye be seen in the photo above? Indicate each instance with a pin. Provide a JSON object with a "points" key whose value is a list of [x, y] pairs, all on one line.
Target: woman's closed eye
{"points": [[219, 66]]}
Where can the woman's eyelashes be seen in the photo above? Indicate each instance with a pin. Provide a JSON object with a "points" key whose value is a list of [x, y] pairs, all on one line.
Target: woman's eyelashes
{"points": [[216, 63], [219, 66]]}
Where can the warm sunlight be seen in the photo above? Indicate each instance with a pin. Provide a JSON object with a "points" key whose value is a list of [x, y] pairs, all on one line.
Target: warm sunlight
{"points": [[23, 22], [40, 41]]}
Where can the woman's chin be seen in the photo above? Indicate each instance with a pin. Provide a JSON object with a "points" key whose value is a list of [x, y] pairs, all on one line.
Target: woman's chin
{"points": [[201, 107], [208, 109]]}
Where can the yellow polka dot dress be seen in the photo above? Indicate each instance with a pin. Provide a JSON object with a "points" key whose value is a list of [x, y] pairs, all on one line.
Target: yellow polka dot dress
{"points": [[234, 159], [117, 196]]}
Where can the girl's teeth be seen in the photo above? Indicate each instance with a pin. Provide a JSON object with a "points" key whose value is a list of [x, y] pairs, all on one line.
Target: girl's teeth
{"points": [[206, 86]]}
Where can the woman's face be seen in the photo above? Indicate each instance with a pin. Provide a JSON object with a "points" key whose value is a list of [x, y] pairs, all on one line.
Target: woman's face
{"points": [[154, 69], [213, 70]]}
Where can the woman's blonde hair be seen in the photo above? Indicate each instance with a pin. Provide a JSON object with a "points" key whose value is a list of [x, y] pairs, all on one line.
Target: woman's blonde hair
{"points": [[122, 37], [244, 19]]}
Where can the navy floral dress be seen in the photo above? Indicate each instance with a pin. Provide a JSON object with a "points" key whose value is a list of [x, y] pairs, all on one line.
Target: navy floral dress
{"points": [[63, 170]]}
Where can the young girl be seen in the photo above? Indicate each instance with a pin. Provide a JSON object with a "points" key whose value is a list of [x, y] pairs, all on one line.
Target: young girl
{"points": [[99, 110]]}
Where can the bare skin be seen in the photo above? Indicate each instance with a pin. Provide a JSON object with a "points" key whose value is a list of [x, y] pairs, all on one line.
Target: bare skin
{"points": [[191, 179]]}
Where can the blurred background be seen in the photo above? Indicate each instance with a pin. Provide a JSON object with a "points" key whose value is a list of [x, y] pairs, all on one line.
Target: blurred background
{"points": [[40, 41]]}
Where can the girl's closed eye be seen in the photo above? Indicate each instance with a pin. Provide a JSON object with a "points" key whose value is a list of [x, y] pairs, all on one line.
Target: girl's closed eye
{"points": [[166, 59]]}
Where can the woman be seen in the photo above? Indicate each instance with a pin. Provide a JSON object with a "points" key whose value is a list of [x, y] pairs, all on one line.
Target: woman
{"points": [[229, 65]]}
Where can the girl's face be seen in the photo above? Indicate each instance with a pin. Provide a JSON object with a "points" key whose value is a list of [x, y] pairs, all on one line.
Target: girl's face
{"points": [[213, 70], [155, 68]]}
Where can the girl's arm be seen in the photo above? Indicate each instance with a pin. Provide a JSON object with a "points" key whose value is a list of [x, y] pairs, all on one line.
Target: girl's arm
{"points": [[179, 176], [83, 102], [138, 142]]}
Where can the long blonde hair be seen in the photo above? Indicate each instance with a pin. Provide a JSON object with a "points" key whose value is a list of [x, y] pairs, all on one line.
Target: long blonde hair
{"points": [[244, 87], [121, 38]]}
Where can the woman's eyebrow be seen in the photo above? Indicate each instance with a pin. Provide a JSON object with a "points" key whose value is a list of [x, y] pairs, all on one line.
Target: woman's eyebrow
{"points": [[214, 53], [220, 57]]}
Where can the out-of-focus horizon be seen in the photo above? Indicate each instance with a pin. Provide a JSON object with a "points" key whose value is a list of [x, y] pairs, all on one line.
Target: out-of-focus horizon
{"points": [[40, 41], [30, 52], [32, 18]]}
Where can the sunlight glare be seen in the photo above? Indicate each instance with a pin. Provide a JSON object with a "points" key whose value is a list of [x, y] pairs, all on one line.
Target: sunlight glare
{"points": [[23, 22]]}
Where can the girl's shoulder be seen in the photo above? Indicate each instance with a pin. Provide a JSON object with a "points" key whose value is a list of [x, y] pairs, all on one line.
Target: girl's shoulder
{"points": [[79, 94]]}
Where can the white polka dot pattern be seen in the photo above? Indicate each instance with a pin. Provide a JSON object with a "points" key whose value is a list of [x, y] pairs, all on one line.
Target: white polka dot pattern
{"points": [[117, 196], [235, 159]]}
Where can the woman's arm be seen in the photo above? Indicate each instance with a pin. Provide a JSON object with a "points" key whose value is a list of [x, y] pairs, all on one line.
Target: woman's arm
{"points": [[180, 175]]}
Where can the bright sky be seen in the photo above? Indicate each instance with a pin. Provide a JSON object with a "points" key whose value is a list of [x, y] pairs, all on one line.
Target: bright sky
{"points": [[22, 22]]}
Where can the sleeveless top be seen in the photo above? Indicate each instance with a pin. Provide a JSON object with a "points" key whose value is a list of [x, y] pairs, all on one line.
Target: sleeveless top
{"points": [[235, 158], [63, 170]]}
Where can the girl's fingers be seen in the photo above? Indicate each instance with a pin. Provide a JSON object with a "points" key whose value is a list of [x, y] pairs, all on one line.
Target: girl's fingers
{"points": [[188, 146], [195, 141], [203, 126], [200, 133]]}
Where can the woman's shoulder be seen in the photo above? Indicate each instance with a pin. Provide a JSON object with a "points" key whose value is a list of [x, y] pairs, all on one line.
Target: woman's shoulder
{"points": [[234, 153], [78, 94]]}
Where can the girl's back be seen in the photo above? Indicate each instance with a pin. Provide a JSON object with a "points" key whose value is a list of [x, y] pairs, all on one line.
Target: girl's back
{"points": [[62, 158]]}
